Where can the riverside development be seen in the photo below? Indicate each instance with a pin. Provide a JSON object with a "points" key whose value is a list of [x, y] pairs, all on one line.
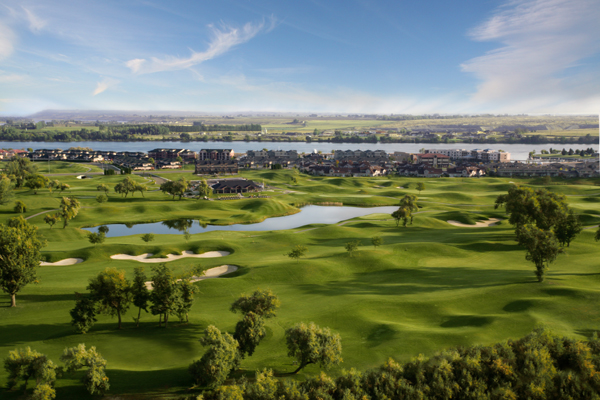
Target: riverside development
{"points": [[379, 274]]}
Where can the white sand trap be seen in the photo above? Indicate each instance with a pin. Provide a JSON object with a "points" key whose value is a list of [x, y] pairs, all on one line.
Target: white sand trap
{"points": [[208, 274], [145, 258], [66, 261], [480, 224]]}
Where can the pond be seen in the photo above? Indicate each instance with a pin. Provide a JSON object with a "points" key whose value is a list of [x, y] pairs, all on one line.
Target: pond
{"points": [[308, 215]]}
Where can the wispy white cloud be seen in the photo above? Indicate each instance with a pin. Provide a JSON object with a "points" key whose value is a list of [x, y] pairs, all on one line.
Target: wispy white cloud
{"points": [[104, 84], [35, 22], [538, 68], [7, 39], [11, 78], [223, 39]]}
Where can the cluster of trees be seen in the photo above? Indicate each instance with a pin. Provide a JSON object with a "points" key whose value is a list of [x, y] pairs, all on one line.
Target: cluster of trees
{"points": [[180, 186], [540, 366], [408, 204], [25, 364], [587, 152], [111, 293], [126, 186], [543, 222], [308, 344]]}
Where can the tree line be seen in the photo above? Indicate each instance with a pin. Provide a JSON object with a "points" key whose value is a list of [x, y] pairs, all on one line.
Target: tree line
{"points": [[214, 128]]}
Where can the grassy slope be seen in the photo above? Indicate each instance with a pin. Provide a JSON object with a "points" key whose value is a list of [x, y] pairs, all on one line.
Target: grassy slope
{"points": [[430, 286]]}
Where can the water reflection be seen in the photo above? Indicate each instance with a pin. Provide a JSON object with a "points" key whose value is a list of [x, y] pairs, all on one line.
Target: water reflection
{"points": [[308, 215]]}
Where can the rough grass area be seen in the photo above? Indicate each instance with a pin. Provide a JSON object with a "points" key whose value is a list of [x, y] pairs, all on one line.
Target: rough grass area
{"points": [[428, 287]]}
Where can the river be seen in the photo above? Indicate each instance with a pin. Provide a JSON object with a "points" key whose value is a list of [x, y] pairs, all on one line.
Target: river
{"points": [[517, 151]]}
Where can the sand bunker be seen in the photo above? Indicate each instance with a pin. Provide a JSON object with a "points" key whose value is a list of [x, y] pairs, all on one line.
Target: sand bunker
{"points": [[480, 224], [208, 274], [145, 258], [66, 261]]}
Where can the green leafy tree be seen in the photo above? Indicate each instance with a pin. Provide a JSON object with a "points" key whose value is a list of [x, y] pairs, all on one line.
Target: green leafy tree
{"points": [[567, 229], [541, 245], [101, 198], [51, 219], [164, 293], [111, 291], [64, 186], [20, 255], [103, 229], [126, 186], [140, 292], [95, 379], [175, 188], [103, 188], [25, 364], [69, 208], [6, 192], [83, 315], [297, 252], [351, 247], [18, 168], [20, 207], [376, 241], [262, 303], [148, 237], [203, 189], [249, 332], [420, 187], [310, 344], [96, 238], [36, 182], [219, 360]]}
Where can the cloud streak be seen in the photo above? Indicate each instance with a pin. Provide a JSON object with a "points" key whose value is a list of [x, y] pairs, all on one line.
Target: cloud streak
{"points": [[7, 38], [544, 44], [104, 84], [223, 39]]}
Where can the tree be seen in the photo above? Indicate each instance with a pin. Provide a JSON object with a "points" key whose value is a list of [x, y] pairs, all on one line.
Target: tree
{"points": [[24, 364], [185, 298], [203, 189], [597, 235], [420, 187], [36, 182], [262, 303], [51, 219], [541, 245], [111, 291], [138, 187], [125, 186], [175, 188], [164, 293], [567, 229], [249, 332], [53, 184], [148, 237], [351, 247], [103, 188], [219, 360], [95, 379], [376, 241], [83, 316], [6, 193], [19, 256], [103, 229], [96, 237], [20, 207], [140, 292], [408, 204], [101, 198], [297, 252], [64, 186], [69, 207], [18, 168], [310, 344]]}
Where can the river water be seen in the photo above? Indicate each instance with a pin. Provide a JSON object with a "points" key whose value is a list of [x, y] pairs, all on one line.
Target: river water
{"points": [[308, 215], [517, 151]]}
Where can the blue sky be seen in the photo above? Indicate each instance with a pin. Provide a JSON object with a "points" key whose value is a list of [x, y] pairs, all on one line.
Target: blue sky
{"points": [[351, 56]]}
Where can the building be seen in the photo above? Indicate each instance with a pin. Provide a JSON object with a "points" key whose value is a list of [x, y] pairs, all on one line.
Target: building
{"points": [[216, 154], [215, 167], [172, 154], [235, 186]]}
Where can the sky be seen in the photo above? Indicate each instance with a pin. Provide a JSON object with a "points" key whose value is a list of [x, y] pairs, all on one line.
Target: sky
{"points": [[347, 56]]}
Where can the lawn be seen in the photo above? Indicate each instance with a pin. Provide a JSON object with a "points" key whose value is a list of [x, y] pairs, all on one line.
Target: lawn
{"points": [[430, 286]]}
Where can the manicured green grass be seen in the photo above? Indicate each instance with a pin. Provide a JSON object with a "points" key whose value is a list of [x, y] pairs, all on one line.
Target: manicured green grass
{"points": [[428, 287]]}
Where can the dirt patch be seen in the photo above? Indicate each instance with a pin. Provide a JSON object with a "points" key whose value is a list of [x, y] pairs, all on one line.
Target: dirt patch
{"points": [[480, 224], [66, 261], [145, 258], [208, 274]]}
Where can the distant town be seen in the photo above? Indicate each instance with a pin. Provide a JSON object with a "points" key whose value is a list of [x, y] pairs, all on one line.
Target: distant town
{"points": [[340, 163]]}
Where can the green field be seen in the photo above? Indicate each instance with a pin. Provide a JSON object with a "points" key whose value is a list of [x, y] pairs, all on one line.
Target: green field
{"points": [[430, 286]]}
